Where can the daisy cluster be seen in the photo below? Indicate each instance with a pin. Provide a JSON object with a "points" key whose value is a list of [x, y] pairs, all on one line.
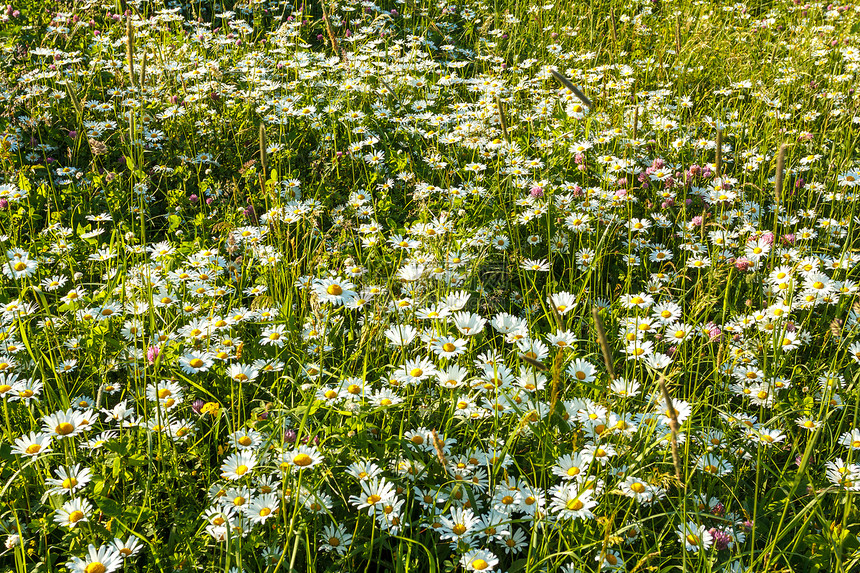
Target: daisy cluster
{"points": [[443, 301]]}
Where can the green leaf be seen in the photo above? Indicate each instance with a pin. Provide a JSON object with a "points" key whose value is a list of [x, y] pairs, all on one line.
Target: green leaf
{"points": [[109, 507]]}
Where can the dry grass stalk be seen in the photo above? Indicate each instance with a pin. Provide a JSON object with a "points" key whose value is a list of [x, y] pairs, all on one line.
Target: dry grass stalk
{"points": [[502, 119], [536, 363], [331, 36], [604, 343], [264, 158], [387, 87], [76, 103], [440, 452], [142, 80], [673, 426], [129, 48], [556, 379], [575, 90], [780, 173], [719, 160], [612, 27]]}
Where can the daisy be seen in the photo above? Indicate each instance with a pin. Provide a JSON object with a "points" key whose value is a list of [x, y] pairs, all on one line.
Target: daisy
{"points": [[479, 560], [714, 465], [127, 548], [63, 424], [469, 324], [415, 371], [242, 372], [563, 302], [694, 537], [401, 335], [375, 493], [433, 312], [569, 503], [850, 440], [32, 445], [335, 538], [238, 465], [582, 371], [262, 508], [274, 336], [808, 423], [636, 488], [105, 559], [245, 439], [452, 377], [334, 291], [302, 457], [460, 525], [570, 466], [196, 361], [532, 265], [73, 512], [624, 388], [631, 301], [69, 481], [448, 346]]}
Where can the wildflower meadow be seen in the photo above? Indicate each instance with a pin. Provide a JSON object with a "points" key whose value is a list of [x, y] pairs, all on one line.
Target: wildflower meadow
{"points": [[429, 286]]}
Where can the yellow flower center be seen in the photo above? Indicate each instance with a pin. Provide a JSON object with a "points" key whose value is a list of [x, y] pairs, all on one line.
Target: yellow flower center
{"points": [[575, 505], [195, 363], [69, 483], [302, 460], [480, 564], [95, 567], [64, 429], [334, 290], [76, 516], [241, 470], [637, 487]]}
